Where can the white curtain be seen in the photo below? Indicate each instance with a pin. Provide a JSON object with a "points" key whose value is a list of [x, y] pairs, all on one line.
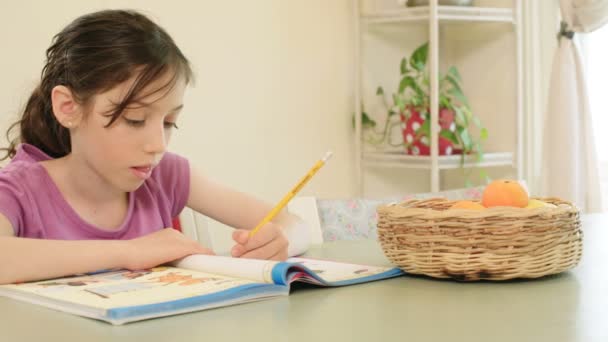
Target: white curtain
{"points": [[570, 167]]}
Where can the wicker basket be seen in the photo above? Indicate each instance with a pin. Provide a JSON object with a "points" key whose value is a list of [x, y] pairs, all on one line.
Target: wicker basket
{"points": [[422, 237]]}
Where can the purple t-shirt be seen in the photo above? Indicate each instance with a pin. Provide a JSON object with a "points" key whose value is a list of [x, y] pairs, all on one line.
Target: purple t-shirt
{"points": [[36, 208]]}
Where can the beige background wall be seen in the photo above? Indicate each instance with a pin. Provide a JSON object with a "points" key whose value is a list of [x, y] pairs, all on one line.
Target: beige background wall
{"points": [[274, 88]]}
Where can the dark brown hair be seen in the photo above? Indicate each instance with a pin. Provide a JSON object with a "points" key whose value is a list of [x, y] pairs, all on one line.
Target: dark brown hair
{"points": [[93, 54]]}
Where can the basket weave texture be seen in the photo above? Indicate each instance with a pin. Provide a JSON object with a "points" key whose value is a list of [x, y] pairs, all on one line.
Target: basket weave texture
{"points": [[500, 243]]}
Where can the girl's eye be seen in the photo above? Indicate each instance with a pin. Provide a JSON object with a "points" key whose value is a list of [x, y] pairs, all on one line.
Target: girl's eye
{"points": [[135, 123], [170, 125]]}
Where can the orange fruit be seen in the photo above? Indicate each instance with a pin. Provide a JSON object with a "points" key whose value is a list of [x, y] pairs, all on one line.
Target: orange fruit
{"points": [[467, 205], [504, 193]]}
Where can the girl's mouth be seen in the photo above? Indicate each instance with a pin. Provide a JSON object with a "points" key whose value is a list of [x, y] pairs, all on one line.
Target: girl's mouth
{"points": [[142, 172]]}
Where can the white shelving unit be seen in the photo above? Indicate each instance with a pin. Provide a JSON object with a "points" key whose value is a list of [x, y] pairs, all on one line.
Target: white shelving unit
{"points": [[455, 13], [398, 159], [433, 15]]}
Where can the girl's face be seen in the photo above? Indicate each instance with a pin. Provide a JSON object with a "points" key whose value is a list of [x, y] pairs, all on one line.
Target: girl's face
{"points": [[125, 153]]}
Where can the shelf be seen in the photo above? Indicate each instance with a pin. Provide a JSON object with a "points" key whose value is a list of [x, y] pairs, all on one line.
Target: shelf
{"points": [[399, 159], [434, 24], [444, 13]]}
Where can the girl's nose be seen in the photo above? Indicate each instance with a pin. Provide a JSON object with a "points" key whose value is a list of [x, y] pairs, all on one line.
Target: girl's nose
{"points": [[156, 141]]}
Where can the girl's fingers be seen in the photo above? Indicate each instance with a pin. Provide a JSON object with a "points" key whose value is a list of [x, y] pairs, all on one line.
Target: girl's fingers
{"points": [[237, 250], [240, 236], [263, 245], [266, 234], [279, 256], [263, 252], [271, 249]]}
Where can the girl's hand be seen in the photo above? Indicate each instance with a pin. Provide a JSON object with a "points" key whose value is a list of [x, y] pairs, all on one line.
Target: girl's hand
{"points": [[160, 247], [268, 243]]}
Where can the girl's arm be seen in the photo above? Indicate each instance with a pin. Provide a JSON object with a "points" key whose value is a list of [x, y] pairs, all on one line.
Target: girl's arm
{"points": [[231, 207], [24, 259], [244, 212]]}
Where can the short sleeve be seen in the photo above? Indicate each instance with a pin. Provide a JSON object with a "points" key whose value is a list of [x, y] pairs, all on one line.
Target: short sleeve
{"points": [[12, 198], [173, 177]]}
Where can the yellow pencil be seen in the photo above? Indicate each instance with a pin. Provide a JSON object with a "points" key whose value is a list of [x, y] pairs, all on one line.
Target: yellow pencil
{"points": [[275, 211]]}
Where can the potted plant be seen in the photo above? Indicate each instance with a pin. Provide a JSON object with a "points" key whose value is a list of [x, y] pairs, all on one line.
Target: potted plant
{"points": [[410, 111]]}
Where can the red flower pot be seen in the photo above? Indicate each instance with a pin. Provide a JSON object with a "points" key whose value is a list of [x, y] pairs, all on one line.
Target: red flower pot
{"points": [[418, 143]]}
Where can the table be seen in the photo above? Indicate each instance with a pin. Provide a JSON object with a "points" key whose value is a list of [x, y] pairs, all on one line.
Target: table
{"points": [[572, 306]]}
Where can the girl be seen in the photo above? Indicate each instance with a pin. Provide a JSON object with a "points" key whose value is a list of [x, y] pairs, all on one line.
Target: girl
{"points": [[90, 185]]}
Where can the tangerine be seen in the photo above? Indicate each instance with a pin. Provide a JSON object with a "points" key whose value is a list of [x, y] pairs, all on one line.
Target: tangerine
{"points": [[505, 193]]}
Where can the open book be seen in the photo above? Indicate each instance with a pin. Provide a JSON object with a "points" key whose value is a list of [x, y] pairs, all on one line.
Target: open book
{"points": [[197, 282]]}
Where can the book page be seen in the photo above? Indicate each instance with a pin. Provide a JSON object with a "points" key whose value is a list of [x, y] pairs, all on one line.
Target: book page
{"points": [[252, 269], [317, 271], [333, 272], [130, 288]]}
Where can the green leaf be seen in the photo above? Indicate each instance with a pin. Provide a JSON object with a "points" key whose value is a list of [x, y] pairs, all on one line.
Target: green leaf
{"points": [[419, 56], [483, 134], [408, 82], [399, 103], [454, 83], [404, 66], [479, 150], [476, 121], [380, 91], [416, 101], [457, 93], [424, 130], [424, 81], [452, 71], [466, 140], [467, 112], [444, 101], [366, 121], [460, 117], [449, 135]]}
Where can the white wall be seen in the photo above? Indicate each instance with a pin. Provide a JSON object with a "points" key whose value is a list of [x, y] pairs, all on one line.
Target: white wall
{"points": [[273, 83], [274, 88]]}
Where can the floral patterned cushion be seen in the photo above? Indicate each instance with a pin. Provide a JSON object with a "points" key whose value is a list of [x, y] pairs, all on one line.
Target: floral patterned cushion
{"points": [[354, 219]]}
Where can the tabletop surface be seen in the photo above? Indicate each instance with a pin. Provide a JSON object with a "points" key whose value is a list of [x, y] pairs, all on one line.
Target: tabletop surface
{"points": [[572, 306]]}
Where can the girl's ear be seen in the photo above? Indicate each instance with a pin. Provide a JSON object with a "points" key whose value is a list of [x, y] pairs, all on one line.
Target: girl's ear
{"points": [[65, 107]]}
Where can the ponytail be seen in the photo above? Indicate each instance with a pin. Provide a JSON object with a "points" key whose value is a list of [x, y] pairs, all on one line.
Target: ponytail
{"points": [[39, 127]]}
